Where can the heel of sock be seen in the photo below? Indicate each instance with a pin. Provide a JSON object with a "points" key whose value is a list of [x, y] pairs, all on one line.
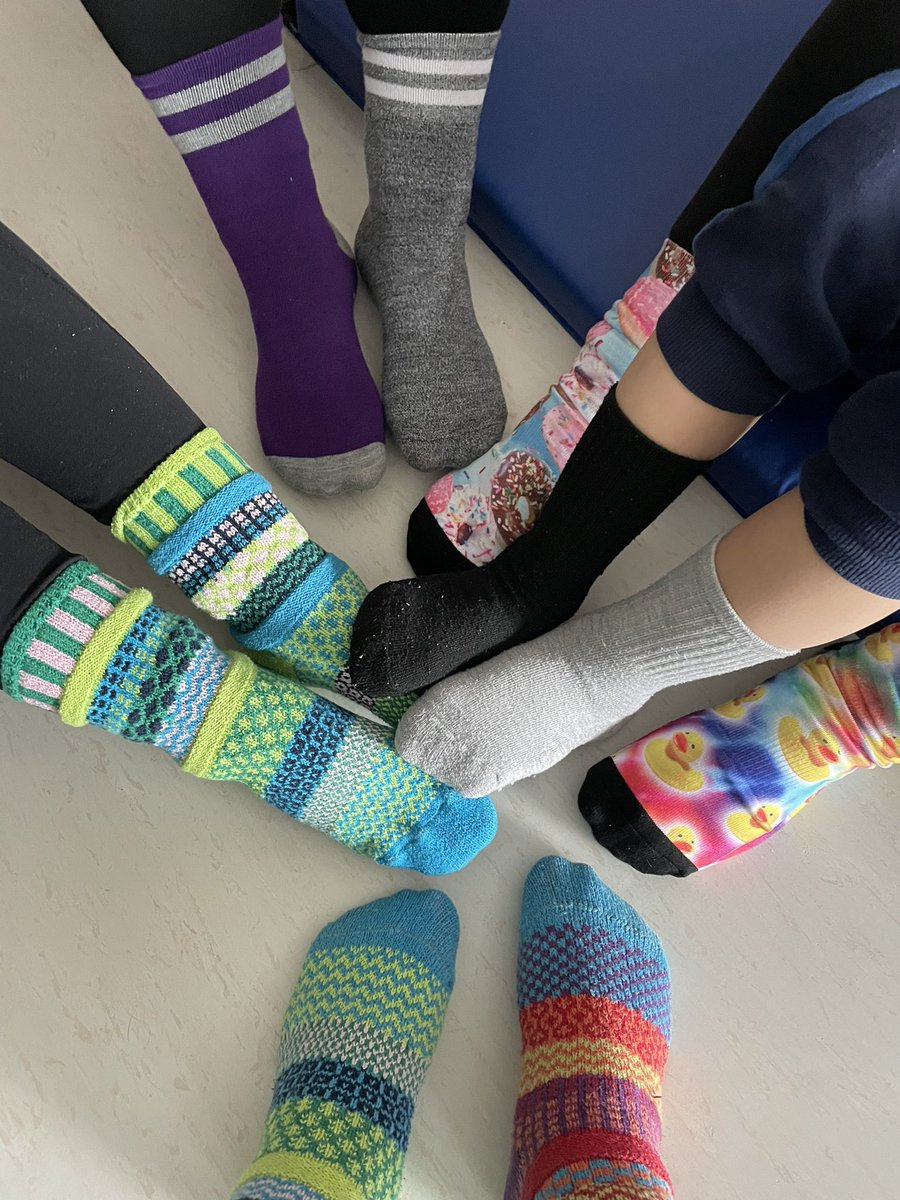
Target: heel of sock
{"points": [[620, 824]]}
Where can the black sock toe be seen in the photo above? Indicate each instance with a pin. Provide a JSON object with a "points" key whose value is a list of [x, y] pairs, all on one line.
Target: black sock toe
{"points": [[619, 822]]}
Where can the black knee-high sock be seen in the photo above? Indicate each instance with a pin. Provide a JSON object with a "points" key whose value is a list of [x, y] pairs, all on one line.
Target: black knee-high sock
{"points": [[412, 633], [851, 41], [434, 16], [31, 561], [82, 411], [146, 35]]}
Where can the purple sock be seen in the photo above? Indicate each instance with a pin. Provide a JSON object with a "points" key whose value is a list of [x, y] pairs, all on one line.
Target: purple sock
{"points": [[231, 113]]}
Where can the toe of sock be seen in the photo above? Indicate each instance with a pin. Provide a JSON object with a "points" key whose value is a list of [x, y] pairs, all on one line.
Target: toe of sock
{"points": [[431, 737], [427, 920], [429, 550], [619, 823], [559, 892], [447, 839], [333, 474]]}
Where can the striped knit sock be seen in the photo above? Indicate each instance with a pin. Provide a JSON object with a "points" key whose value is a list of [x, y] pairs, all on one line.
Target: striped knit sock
{"points": [[103, 655], [424, 93], [218, 530], [230, 111], [594, 1010], [357, 1039]]}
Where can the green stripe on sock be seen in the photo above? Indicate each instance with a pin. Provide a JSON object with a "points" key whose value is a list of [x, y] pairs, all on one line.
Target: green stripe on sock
{"points": [[204, 487], [172, 505]]}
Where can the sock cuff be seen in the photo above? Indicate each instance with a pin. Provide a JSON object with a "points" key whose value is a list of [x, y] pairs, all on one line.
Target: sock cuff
{"points": [[436, 70], [48, 641], [177, 488], [223, 92]]}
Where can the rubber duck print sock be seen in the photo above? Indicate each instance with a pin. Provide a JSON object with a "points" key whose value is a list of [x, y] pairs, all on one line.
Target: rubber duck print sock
{"points": [[218, 530], [424, 93], [357, 1039], [578, 682], [715, 783], [471, 515], [99, 654], [230, 112], [411, 633], [595, 1016]]}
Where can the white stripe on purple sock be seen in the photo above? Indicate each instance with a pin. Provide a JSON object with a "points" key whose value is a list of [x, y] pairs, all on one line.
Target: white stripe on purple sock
{"points": [[221, 85]]}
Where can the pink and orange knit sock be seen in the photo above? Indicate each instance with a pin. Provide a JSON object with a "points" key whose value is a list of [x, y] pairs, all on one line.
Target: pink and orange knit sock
{"points": [[595, 1015]]}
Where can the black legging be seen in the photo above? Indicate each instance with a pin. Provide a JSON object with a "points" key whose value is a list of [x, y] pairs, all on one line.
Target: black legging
{"points": [[85, 414]]}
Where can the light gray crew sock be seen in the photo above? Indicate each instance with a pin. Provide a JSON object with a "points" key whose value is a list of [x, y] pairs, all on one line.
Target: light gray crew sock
{"points": [[523, 711], [441, 391]]}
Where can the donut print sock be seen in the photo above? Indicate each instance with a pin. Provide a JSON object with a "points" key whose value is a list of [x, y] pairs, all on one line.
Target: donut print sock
{"points": [[356, 1042], [595, 1016], [471, 515], [424, 93], [718, 782], [230, 112], [412, 633], [102, 655], [218, 530]]}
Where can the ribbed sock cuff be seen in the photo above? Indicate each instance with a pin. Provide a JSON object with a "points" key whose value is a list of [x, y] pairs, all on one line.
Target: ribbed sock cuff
{"points": [[438, 71], [711, 360], [180, 486]]}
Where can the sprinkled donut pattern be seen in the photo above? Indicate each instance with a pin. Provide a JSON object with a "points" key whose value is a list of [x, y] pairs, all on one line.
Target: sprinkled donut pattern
{"points": [[479, 508]]}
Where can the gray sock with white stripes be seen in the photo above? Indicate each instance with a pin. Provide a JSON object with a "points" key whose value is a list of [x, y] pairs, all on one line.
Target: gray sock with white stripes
{"points": [[441, 390]]}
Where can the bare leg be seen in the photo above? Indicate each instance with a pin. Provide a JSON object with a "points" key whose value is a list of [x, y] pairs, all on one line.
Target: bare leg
{"points": [[658, 404]]}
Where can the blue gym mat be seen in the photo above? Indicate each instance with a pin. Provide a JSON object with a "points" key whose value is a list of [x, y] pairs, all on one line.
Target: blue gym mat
{"points": [[602, 118]]}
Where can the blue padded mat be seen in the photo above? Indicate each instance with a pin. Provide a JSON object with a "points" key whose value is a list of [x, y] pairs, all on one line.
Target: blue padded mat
{"points": [[602, 118]]}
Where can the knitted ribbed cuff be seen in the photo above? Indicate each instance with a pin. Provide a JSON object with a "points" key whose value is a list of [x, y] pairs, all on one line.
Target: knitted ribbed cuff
{"points": [[711, 360], [857, 539]]}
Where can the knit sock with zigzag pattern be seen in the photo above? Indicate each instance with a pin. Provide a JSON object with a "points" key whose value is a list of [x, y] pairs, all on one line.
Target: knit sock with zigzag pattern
{"points": [[357, 1039], [218, 530], [594, 1010], [102, 655]]}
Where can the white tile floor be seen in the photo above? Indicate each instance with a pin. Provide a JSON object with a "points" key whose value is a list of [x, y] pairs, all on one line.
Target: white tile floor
{"points": [[153, 924]]}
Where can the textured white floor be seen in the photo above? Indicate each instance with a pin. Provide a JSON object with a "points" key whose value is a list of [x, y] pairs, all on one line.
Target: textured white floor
{"points": [[153, 924]]}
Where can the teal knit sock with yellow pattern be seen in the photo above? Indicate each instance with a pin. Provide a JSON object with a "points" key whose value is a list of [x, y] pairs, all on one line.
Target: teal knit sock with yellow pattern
{"points": [[102, 655], [357, 1039], [216, 528]]}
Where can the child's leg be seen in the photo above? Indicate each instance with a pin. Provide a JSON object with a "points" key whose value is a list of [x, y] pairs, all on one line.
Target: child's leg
{"points": [[595, 1015], [85, 414], [220, 86], [86, 647], [715, 783], [471, 516], [788, 289], [356, 1042]]}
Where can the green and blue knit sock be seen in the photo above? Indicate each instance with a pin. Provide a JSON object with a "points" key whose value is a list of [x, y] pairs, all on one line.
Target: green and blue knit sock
{"points": [[357, 1039], [102, 655], [217, 529]]}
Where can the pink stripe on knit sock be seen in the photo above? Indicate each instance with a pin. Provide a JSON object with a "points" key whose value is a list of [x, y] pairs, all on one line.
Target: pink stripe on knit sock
{"points": [[38, 703], [34, 683], [95, 603], [51, 656], [66, 623], [108, 585]]}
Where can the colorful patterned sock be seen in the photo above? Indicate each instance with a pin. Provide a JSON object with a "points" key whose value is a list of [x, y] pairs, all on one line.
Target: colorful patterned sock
{"points": [[230, 111], [424, 93], [595, 1015], [102, 655], [715, 783], [218, 530], [357, 1039], [472, 515]]}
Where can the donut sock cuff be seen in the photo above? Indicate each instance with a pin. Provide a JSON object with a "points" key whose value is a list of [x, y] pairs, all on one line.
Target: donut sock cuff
{"points": [[619, 823]]}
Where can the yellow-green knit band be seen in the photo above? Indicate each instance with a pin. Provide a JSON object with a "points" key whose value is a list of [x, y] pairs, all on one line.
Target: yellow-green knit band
{"points": [[179, 486], [220, 716], [82, 684], [329, 1181]]}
